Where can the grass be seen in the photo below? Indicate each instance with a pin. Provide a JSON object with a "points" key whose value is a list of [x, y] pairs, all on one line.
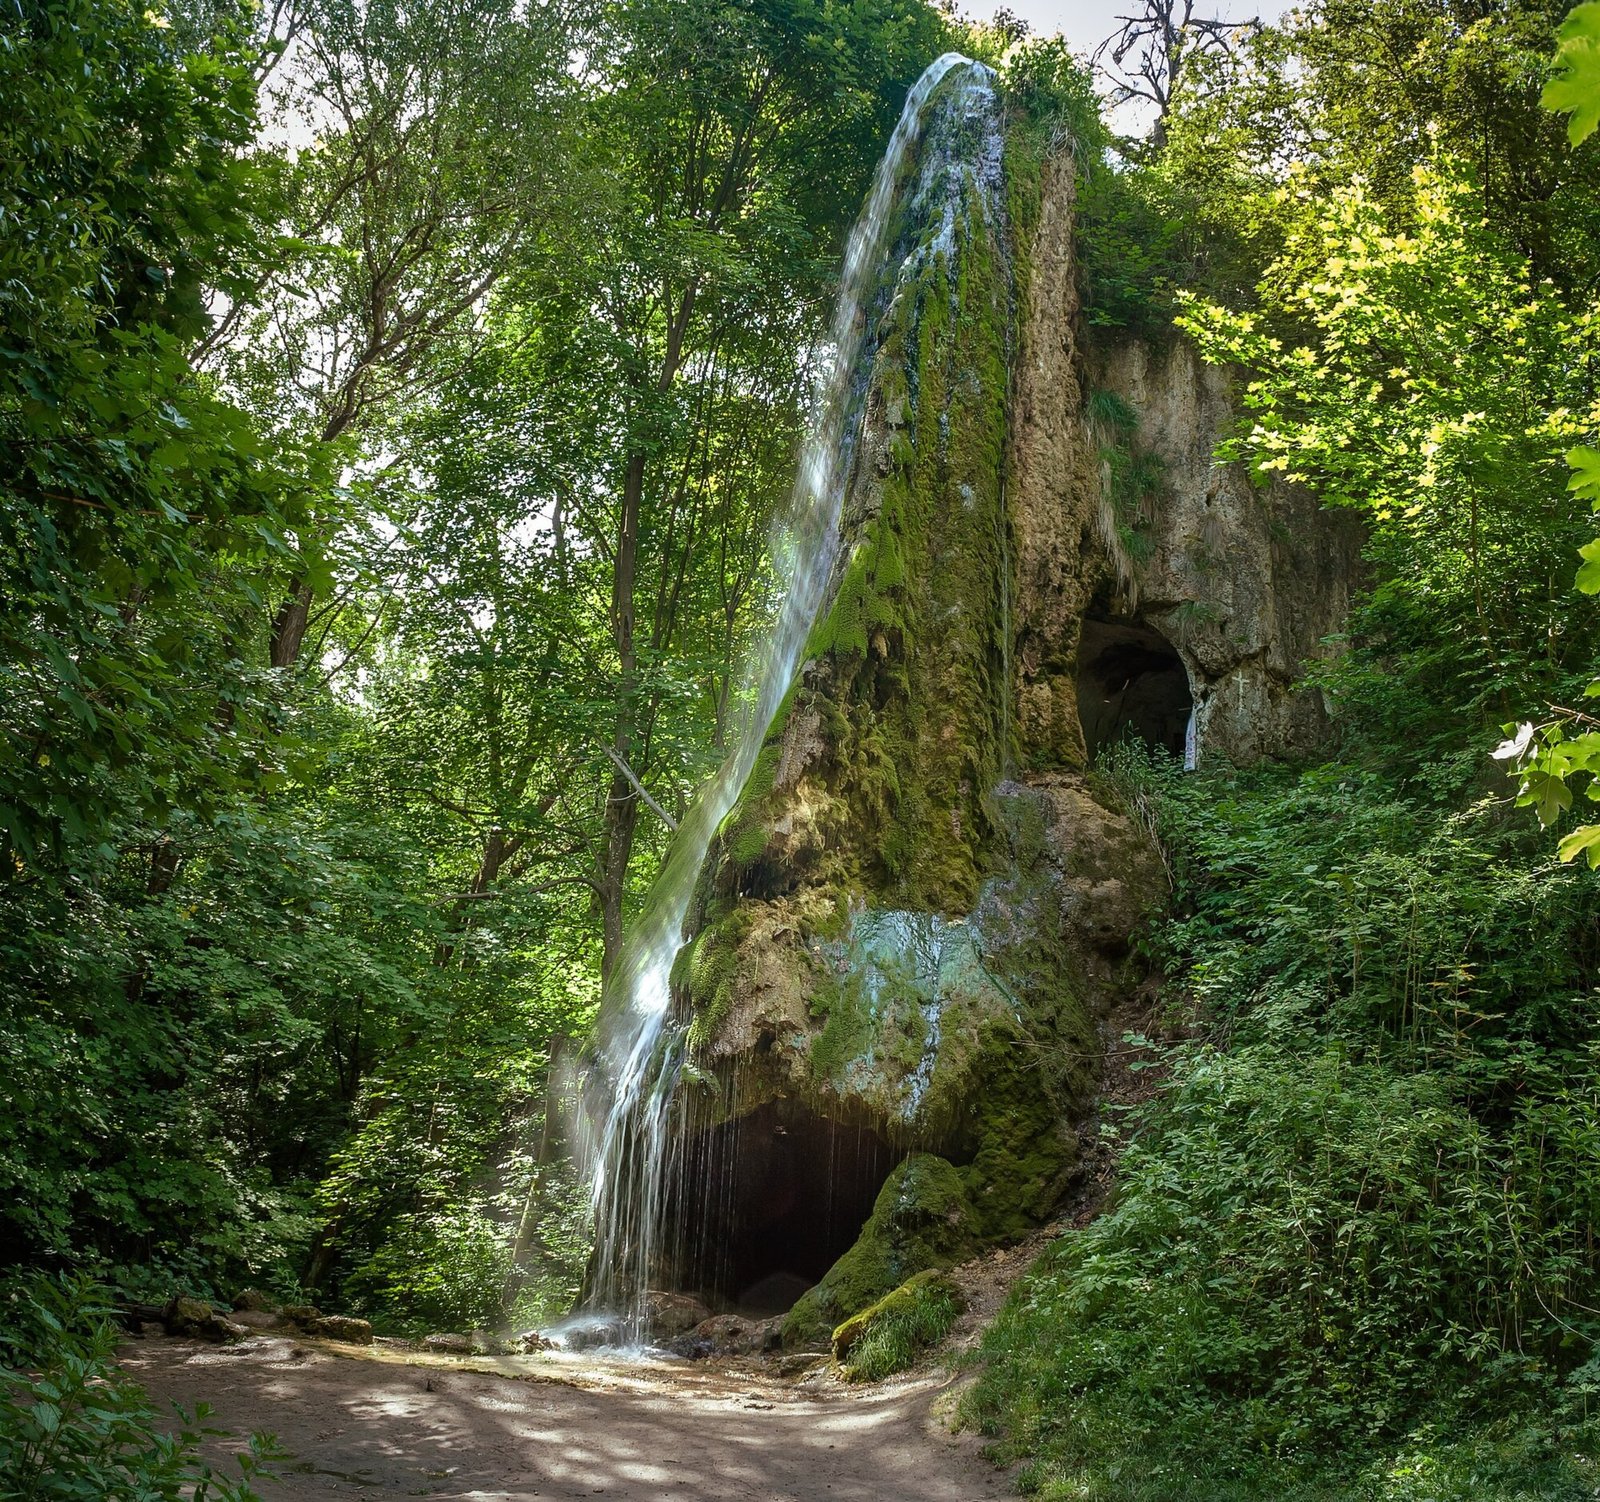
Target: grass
{"points": [[899, 1327]]}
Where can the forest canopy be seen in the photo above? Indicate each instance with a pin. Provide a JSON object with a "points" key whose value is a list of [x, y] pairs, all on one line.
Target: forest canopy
{"points": [[398, 401]]}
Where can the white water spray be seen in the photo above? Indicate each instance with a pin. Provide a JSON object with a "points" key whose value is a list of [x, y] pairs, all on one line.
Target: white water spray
{"points": [[640, 1048]]}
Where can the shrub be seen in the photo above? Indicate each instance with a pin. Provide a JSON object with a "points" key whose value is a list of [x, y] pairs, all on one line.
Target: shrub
{"points": [[74, 1426], [1360, 1216], [888, 1337]]}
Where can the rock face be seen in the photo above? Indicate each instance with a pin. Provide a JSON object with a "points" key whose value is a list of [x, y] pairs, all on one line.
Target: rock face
{"points": [[1246, 582], [909, 927]]}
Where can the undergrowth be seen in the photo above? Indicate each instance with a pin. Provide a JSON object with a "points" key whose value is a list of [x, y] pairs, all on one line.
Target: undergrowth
{"points": [[74, 1426], [1360, 1216], [911, 1320]]}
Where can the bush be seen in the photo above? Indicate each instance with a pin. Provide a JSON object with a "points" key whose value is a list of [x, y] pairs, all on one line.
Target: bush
{"points": [[1360, 1215], [74, 1426]]}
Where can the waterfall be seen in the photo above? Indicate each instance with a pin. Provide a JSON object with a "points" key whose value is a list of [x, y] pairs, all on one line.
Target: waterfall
{"points": [[640, 1047]]}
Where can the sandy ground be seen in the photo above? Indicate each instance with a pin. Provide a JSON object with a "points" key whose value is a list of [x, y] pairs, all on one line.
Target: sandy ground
{"points": [[377, 1425]]}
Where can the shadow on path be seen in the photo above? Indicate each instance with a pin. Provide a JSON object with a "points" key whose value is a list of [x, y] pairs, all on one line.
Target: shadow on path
{"points": [[358, 1429]]}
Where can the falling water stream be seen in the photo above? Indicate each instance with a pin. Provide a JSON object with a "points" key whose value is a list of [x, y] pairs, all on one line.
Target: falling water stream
{"points": [[640, 1048]]}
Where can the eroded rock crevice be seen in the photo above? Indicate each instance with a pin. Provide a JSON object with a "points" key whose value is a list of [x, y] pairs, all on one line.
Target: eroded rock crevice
{"points": [[1132, 684], [763, 1203]]}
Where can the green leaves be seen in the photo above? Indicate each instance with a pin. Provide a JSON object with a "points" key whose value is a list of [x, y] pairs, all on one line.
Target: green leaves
{"points": [[139, 500], [1585, 841], [1363, 1201], [1588, 577], [1575, 91], [1546, 760], [75, 1428], [1585, 466], [1574, 88]]}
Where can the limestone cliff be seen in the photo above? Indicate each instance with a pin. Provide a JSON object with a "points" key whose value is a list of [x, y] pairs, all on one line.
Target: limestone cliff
{"points": [[1248, 583], [909, 927]]}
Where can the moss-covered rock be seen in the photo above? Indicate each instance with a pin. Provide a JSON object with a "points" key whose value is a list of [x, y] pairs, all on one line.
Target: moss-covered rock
{"points": [[887, 930], [874, 774], [887, 1336], [922, 1220]]}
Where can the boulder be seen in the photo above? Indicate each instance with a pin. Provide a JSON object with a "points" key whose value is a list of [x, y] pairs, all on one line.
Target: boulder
{"points": [[721, 1335], [342, 1327], [445, 1344], [904, 1300], [669, 1315], [253, 1300], [300, 1317], [922, 1220], [590, 1331], [257, 1320], [197, 1320]]}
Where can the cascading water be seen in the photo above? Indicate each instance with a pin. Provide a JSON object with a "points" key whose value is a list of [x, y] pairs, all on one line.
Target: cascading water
{"points": [[640, 1052]]}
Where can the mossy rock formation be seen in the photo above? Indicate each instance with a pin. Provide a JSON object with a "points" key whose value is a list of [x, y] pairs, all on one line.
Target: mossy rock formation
{"points": [[914, 919], [923, 1220]]}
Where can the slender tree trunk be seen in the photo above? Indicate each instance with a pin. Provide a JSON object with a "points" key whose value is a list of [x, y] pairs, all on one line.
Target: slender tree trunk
{"points": [[289, 627], [622, 803], [497, 849]]}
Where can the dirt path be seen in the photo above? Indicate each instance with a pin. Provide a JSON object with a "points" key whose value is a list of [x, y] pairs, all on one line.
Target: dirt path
{"points": [[368, 1427]]}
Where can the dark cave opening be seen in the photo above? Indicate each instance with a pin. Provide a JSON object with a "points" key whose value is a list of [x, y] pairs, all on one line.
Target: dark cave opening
{"points": [[762, 1206], [1131, 682]]}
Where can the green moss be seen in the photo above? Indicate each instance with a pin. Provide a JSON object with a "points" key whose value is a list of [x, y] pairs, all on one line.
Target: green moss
{"points": [[910, 701], [889, 1335], [748, 844], [846, 1033], [921, 1219], [889, 1039], [707, 969], [1026, 1151]]}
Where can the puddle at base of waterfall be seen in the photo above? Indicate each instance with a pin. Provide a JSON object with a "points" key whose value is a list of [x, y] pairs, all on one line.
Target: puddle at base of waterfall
{"points": [[595, 1334]]}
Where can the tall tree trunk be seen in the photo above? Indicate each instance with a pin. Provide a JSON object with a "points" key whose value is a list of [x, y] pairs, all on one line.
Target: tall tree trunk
{"points": [[622, 803]]}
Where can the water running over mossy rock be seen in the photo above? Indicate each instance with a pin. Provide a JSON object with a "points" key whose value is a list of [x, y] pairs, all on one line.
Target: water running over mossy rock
{"points": [[914, 915]]}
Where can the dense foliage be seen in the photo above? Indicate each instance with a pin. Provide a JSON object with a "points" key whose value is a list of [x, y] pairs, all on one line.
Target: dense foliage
{"points": [[399, 400], [1357, 1224], [1351, 1250]]}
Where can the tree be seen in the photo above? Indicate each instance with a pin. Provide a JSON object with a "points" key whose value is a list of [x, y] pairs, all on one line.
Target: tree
{"points": [[136, 501], [1414, 371], [442, 157], [1351, 87], [1566, 748], [1153, 49], [742, 137]]}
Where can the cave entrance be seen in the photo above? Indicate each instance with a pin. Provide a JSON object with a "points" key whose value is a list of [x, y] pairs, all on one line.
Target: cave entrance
{"points": [[1132, 684], [761, 1207]]}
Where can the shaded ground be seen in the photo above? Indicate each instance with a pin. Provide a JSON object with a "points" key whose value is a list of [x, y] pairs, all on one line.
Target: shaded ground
{"points": [[380, 1426]]}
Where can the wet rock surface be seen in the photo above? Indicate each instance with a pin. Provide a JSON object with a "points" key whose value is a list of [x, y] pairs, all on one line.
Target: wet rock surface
{"points": [[729, 1335], [669, 1315]]}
